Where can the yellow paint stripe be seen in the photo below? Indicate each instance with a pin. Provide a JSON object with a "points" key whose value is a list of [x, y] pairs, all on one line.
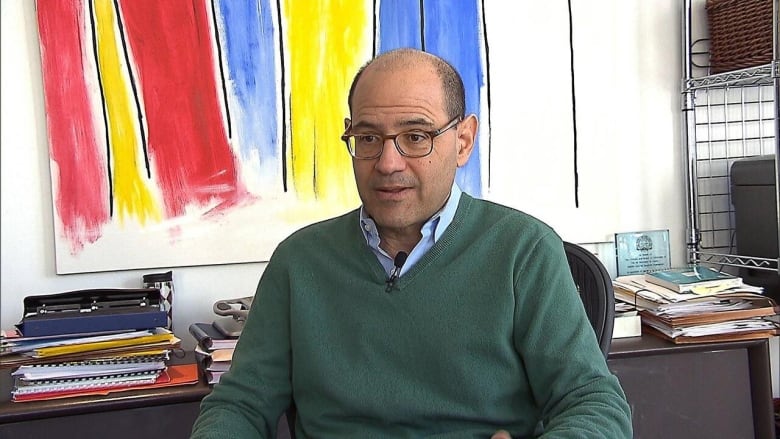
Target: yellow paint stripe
{"points": [[132, 196], [327, 41]]}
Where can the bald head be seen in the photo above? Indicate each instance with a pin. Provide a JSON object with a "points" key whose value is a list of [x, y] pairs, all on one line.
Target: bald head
{"points": [[405, 59]]}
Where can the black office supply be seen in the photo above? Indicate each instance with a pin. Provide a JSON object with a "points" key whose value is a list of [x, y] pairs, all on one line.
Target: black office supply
{"points": [[209, 338], [92, 310]]}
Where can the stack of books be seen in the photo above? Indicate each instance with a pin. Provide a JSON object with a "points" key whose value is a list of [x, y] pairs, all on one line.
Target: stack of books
{"points": [[214, 350], [53, 357], [699, 304]]}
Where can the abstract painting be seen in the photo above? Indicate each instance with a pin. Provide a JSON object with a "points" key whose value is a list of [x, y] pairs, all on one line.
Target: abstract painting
{"points": [[200, 132]]}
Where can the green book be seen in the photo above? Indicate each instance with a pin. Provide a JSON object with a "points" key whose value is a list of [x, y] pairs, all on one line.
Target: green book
{"points": [[695, 279]]}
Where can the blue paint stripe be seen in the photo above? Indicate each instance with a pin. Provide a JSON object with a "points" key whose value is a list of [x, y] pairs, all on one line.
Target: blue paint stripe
{"points": [[453, 31], [246, 30], [399, 25]]}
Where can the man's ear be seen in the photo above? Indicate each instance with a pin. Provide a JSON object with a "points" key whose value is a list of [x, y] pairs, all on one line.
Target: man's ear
{"points": [[347, 121], [467, 134]]}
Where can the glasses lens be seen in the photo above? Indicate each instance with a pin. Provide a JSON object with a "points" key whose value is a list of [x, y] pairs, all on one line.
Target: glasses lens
{"points": [[415, 143], [365, 145]]}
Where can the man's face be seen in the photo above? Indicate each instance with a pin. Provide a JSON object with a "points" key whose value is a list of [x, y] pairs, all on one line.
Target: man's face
{"points": [[401, 193]]}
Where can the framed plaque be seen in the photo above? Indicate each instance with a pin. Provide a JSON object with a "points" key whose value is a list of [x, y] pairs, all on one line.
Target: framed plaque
{"points": [[641, 252]]}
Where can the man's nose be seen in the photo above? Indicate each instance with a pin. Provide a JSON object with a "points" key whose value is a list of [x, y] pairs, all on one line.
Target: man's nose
{"points": [[391, 159]]}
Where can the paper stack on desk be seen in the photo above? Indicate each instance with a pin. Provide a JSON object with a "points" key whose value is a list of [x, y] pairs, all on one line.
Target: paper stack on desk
{"points": [[57, 379], [125, 353], [56, 367], [706, 315], [75, 347]]}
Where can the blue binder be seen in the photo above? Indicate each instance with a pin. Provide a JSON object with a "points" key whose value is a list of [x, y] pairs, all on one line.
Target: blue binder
{"points": [[92, 310]]}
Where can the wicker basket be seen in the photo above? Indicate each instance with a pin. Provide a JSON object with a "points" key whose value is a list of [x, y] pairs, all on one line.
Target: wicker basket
{"points": [[740, 33]]}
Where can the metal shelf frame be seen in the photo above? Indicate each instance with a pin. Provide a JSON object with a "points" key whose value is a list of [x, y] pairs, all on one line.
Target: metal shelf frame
{"points": [[725, 117]]}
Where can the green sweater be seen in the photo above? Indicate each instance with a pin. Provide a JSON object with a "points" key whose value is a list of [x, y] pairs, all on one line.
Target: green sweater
{"points": [[485, 332]]}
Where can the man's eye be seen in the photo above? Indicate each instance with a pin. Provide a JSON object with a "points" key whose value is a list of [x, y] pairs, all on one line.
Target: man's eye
{"points": [[367, 139], [415, 137]]}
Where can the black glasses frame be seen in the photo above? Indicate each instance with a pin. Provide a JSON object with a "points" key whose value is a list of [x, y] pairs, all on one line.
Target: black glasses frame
{"points": [[394, 137]]}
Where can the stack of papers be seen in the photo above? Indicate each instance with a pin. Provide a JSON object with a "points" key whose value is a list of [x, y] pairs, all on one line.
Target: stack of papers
{"points": [[739, 312], [17, 351], [78, 364], [57, 378], [173, 375]]}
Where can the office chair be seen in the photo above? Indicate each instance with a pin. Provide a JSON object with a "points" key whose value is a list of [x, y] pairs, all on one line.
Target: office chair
{"points": [[595, 288]]}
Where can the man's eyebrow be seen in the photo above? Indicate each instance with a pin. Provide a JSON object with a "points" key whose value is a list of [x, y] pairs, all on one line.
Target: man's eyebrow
{"points": [[364, 125], [416, 122], [407, 123]]}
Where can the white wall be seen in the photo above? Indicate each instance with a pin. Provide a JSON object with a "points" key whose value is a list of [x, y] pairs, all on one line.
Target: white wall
{"points": [[627, 62]]}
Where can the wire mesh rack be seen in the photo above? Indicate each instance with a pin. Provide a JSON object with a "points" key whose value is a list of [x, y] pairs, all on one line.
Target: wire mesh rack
{"points": [[731, 123], [726, 117]]}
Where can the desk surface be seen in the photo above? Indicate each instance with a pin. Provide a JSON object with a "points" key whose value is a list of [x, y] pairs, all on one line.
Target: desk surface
{"points": [[649, 344], [632, 359], [128, 399]]}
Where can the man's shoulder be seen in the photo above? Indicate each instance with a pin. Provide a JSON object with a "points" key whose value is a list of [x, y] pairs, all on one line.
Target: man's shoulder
{"points": [[491, 212]]}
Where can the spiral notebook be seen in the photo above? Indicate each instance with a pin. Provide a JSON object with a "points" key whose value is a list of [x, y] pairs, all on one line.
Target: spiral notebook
{"points": [[174, 375], [96, 373], [91, 367], [25, 387]]}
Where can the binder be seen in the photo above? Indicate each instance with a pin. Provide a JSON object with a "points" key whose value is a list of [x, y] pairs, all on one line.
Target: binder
{"points": [[92, 310]]}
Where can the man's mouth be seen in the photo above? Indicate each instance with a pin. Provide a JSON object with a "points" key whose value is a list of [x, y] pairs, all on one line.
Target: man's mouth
{"points": [[391, 192]]}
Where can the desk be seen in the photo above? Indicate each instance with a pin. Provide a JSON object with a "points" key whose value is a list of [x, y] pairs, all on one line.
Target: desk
{"points": [[711, 390], [714, 390]]}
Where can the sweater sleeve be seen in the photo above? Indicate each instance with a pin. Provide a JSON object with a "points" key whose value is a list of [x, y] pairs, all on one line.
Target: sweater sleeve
{"points": [[569, 377], [252, 395]]}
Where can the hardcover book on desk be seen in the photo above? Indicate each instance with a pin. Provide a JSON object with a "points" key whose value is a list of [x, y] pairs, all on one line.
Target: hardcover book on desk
{"points": [[696, 279]]}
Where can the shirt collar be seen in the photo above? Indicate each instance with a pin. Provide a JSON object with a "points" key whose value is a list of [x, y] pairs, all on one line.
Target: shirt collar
{"points": [[437, 224]]}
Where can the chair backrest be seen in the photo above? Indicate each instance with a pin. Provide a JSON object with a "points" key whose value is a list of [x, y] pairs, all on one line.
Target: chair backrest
{"points": [[595, 288]]}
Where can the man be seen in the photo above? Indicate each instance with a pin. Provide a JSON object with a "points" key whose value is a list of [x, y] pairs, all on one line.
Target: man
{"points": [[479, 333]]}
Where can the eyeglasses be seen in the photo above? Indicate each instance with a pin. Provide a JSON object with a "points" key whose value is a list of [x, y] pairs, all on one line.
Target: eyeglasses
{"points": [[412, 143]]}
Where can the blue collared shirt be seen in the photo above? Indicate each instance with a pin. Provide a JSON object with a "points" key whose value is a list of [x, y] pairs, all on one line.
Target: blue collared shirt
{"points": [[431, 232]]}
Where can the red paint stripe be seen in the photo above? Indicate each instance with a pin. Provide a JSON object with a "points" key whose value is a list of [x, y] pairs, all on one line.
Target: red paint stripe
{"points": [[81, 199], [171, 44]]}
